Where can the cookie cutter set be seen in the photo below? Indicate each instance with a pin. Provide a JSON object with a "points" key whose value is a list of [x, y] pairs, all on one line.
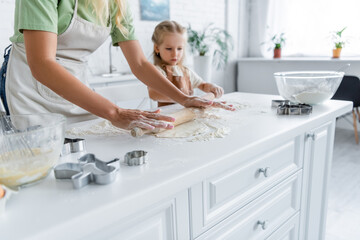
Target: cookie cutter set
{"points": [[91, 169], [285, 107]]}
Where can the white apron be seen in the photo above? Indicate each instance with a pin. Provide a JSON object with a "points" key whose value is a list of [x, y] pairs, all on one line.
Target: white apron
{"points": [[25, 95]]}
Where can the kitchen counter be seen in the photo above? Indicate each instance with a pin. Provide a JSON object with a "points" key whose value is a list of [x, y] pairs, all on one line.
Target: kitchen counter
{"points": [[52, 209]]}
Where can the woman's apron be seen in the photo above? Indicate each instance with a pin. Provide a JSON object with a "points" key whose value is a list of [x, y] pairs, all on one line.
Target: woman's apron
{"points": [[182, 82], [26, 95]]}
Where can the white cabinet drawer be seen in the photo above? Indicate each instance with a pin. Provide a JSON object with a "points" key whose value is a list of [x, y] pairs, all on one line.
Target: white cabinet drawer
{"points": [[219, 196], [288, 231], [262, 216]]}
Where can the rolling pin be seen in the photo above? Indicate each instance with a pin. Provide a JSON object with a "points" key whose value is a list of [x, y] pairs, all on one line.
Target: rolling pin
{"points": [[182, 116]]}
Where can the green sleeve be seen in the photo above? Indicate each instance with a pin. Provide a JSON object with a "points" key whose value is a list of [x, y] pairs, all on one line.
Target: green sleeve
{"points": [[38, 15], [116, 34]]}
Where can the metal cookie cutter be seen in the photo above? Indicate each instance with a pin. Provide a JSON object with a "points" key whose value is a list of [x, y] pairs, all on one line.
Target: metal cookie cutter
{"points": [[294, 109], [73, 145], [89, 169], [276, 103], [136, 158]]}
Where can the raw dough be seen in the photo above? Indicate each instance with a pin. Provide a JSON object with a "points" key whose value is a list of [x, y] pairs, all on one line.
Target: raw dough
{"points": [[196, 130], [103, 128], [184, 130], [26, 169]]}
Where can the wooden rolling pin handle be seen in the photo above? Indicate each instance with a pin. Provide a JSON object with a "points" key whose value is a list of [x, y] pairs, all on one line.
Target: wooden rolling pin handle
{"points": [[182, 116]]}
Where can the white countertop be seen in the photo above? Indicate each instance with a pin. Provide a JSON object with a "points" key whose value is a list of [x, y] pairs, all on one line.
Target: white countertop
{"points": [[52, 206], [301, 59]]}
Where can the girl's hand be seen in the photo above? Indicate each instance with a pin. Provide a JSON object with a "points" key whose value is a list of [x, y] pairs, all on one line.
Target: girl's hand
{"points": [[204, 103], [216, 90], [212, 88], [129, 119]]}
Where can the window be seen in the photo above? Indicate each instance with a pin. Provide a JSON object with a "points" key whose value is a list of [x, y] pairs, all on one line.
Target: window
{"points": [[308, 24]]}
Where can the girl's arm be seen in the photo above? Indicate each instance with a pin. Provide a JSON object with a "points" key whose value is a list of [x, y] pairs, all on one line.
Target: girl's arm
{"points": [[41, 52]]}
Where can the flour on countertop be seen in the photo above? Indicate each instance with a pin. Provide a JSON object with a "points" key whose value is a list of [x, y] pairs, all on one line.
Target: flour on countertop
{"points": [[197, 130], [209, 124], [104, 128]]}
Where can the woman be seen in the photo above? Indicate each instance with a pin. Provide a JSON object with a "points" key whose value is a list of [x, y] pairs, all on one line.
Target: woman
{"points": [[52, 42]]}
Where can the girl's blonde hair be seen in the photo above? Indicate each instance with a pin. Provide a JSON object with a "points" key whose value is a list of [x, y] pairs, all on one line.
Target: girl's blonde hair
{"points": [[102, 10], [158, 37]]}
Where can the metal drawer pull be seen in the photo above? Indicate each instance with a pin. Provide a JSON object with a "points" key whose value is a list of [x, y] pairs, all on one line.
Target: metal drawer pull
{"points": [[263, 224], [265, 171], [311, 135]]}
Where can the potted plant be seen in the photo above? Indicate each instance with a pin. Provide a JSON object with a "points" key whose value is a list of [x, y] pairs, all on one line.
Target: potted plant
{"points": [[278, 41], [338, 42], [211, 45]]}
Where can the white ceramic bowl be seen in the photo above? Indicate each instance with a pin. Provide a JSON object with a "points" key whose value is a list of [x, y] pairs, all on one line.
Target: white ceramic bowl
{"points": [[30, 146], [308, 87]]}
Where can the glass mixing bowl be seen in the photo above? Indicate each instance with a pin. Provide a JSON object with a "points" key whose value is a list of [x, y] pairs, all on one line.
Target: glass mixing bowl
{"points": [[30, 146], [308, 87]]}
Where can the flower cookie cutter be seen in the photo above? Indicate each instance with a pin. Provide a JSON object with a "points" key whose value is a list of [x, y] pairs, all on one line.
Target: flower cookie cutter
{"points": [[89, 169], [135, 158]]}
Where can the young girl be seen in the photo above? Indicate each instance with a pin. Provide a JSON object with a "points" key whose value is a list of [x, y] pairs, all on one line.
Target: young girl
{"points": [[169, 40]]}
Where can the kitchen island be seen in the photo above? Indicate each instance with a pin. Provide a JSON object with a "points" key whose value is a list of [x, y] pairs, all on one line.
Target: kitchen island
{"points": [[267, 179]]}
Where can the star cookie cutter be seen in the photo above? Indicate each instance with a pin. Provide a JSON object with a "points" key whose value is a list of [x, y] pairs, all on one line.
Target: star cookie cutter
{"points": [[89, 169]]}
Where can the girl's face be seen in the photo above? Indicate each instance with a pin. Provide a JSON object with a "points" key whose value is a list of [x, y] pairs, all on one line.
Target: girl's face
{"points": [[171, 50]]}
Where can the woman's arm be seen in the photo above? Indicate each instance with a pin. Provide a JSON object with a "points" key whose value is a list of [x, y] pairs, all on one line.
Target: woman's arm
{"points": [[41, 54], [156, 96]]}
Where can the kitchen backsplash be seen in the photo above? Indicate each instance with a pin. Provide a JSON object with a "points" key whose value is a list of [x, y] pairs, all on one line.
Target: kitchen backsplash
{"points": [[197, 12]]}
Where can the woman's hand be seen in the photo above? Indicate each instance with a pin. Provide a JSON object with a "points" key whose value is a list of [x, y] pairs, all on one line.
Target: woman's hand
{"points": [[204, 103], [129, 119]]}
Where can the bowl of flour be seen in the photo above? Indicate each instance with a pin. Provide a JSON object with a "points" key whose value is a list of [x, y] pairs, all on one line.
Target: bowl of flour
{"points": [[308, 87]]}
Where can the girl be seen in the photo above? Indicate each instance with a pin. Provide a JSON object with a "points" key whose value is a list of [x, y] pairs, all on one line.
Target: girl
{"points": [[169, 40], [51, 44]]}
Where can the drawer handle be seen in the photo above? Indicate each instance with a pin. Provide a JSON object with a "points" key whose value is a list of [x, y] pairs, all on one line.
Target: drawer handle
{"points": [[311, 135], [265, 171], [263, 224]]}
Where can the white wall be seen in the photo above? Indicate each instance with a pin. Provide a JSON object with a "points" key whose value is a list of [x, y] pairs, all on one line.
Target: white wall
{"points": [[197, 12]]}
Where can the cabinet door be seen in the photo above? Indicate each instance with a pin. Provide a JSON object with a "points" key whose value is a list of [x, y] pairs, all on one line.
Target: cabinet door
{"points": [[167, 220], [317, 162]]}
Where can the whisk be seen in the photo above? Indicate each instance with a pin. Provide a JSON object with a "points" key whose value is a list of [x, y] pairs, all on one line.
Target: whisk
{"points": [[13, 144]]}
